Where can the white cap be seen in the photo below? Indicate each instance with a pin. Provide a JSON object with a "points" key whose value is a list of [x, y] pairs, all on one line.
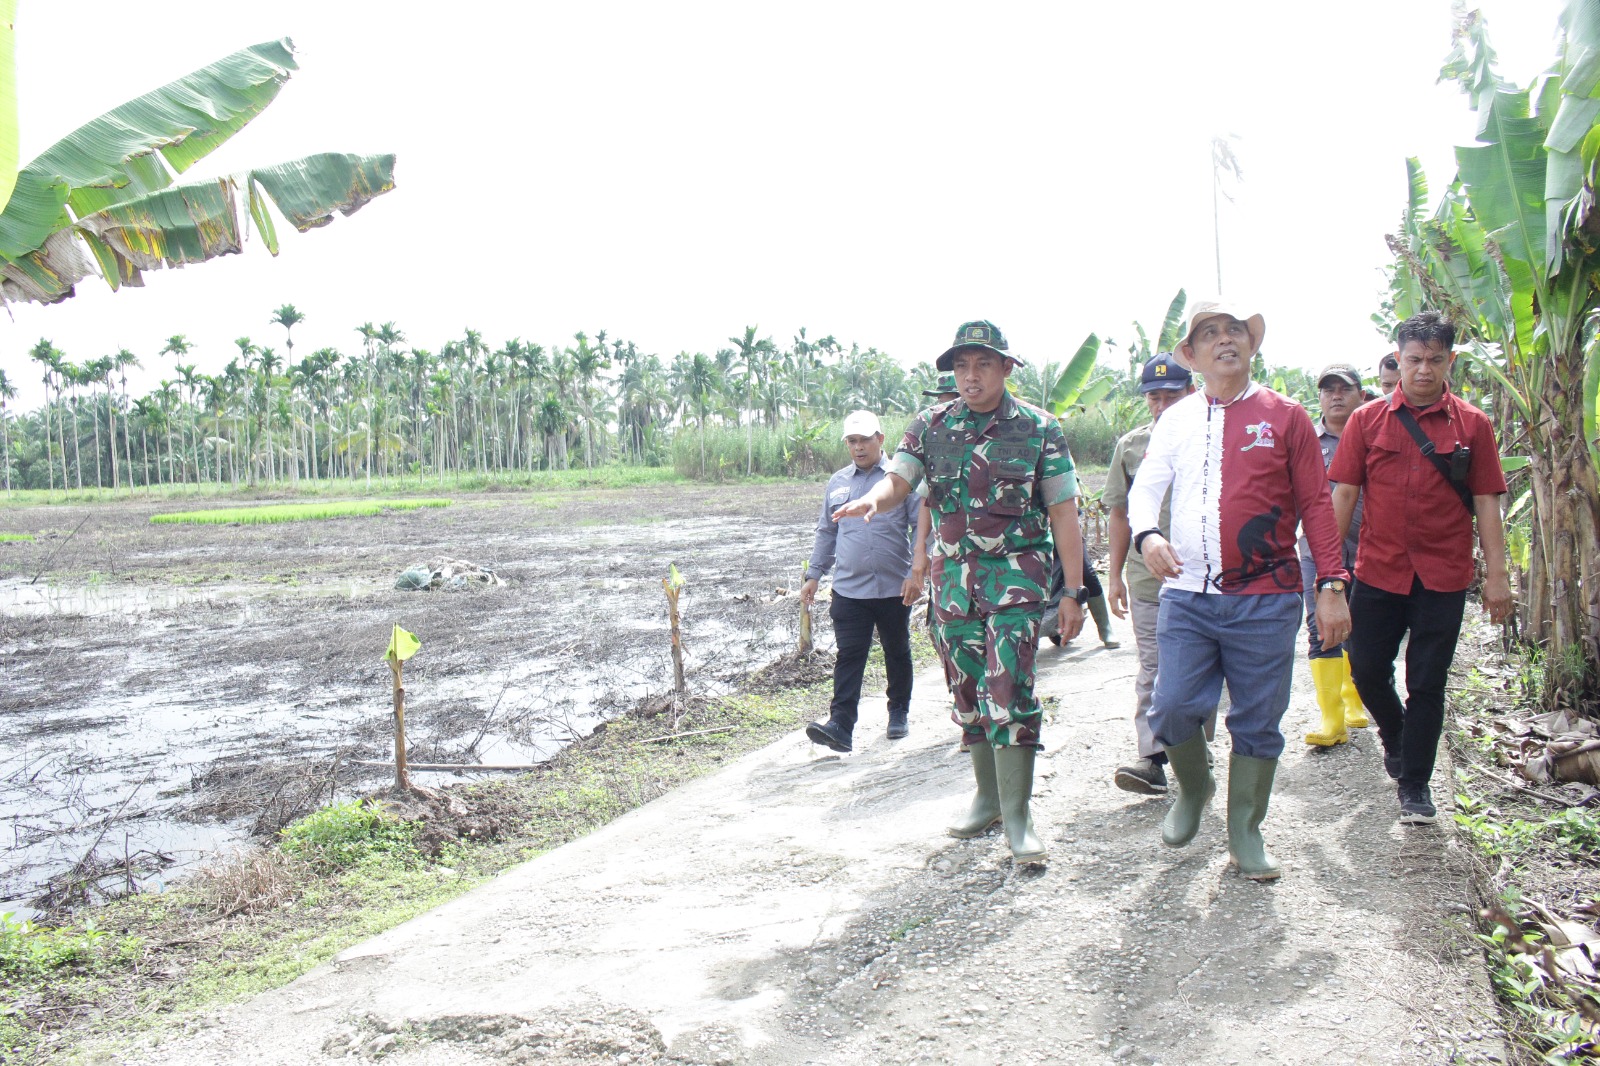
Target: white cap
{"points": [[861, 423]]}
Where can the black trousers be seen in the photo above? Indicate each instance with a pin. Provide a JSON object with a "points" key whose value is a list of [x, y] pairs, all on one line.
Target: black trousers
{"points": [[853, 623], [1378, 621]]}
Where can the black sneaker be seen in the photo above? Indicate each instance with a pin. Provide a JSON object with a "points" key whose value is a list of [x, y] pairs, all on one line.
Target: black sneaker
{"points": [[829, 735], [1416, 806], [898, 728], [1145, 777], [1391, 766]]}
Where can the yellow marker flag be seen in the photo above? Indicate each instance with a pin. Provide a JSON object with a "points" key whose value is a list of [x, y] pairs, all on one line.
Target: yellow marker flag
{"points": [[402, 646]]}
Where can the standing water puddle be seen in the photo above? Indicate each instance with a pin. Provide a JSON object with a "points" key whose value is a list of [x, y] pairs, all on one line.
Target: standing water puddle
{"points": [[147, 726]]}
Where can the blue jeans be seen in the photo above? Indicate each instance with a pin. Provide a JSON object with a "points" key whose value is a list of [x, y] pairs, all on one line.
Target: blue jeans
{"points": [[1206, 639]]}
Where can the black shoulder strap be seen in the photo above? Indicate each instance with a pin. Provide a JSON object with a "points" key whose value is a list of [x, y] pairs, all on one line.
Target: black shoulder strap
{"points": [[1431, 453]]}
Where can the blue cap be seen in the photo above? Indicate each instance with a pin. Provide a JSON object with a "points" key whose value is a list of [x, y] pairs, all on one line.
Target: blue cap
{"points": [[1164, 372]]}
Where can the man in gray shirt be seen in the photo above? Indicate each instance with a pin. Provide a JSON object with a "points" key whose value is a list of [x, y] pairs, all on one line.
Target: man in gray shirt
{"points": [[871, 561]]}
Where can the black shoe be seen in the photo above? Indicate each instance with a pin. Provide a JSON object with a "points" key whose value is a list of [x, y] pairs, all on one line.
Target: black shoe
{"points": [[1416, 806], [898, 729], [1145, 777], [1391, 766], [828, 734]]}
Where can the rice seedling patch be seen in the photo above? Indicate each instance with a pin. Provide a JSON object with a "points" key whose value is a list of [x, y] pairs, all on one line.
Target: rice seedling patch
{"points": [[267, 514]]}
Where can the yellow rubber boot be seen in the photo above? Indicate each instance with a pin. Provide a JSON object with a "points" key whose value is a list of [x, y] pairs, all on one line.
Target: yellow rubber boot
{"points": [[1328, 676], [1355, 714]]}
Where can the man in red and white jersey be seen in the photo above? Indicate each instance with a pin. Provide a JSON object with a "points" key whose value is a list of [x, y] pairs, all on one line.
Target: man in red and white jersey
{"points": [[1245, 468]]}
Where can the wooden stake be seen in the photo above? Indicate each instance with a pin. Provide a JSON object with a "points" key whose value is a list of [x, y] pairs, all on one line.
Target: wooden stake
{"points": [[679, 687], [402, 780], [691, 733], [805, 629], [444, 766]]}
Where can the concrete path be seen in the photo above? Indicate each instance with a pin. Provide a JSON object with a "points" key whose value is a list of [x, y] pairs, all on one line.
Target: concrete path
{"points": [[801, 907]]}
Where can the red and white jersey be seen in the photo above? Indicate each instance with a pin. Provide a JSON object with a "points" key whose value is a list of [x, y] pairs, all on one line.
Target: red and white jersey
{"points": [[1243, 475]]}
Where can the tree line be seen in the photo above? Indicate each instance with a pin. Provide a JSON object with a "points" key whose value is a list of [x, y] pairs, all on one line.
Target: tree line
{"points": [[390, 408]]}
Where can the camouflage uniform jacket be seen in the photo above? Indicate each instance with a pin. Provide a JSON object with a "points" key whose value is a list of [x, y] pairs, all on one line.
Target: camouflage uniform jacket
{"points": [[991, 478]]}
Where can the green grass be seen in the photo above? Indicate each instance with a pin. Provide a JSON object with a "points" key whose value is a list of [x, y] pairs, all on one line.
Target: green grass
{"points": [[292, 512], [4, 537], [609, 476]]}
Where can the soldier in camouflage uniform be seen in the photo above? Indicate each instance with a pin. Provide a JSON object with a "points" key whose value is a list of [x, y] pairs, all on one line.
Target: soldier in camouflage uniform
{"points": [[1002, 487]]}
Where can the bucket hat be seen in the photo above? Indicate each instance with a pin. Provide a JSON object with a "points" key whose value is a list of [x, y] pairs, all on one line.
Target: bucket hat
{"points": [[1204, 309], [979, 333]]}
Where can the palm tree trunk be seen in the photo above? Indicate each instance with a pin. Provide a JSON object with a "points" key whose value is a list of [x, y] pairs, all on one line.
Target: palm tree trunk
{"points": [[77, 456], [94, 412], [127, 443]]}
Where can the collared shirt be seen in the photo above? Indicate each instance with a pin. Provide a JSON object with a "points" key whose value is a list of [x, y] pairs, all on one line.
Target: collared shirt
{"points": [[873, 558], [1417, 527], [1243, 475], [1142, 584], [992, 478], [1330, 444]]}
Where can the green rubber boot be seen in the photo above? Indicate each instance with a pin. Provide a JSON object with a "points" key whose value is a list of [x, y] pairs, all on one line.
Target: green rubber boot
{"points": [[986, 802], [1014, 769], [1196, 786], [1249, 790], [1102, 621]]}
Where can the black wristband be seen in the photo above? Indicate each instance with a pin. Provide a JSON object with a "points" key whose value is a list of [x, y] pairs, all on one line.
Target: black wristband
{"points": [[1138, 539]]}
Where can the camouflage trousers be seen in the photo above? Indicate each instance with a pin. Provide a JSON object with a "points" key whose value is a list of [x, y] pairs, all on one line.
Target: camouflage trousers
{"points": [[988, 664]]}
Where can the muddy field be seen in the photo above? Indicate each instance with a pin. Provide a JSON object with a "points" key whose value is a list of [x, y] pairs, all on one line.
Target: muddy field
{"points": [[168, 690]]}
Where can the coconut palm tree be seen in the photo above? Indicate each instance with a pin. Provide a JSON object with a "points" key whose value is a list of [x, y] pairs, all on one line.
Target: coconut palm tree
{"points": [[122, 361], [8, 392], [288, 317], [47, 355]]}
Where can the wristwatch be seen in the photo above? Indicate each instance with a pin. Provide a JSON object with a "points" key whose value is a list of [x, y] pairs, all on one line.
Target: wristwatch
{"points": [[1078, 595], [1337, 584]]}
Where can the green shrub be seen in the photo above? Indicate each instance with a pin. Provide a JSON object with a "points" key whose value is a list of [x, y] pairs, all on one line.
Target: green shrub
{"points": [[28, 950], [1091, 437], [292, 512], [345, 833]]}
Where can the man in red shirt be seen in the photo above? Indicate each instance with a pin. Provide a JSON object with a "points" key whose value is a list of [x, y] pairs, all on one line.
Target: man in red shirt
{"points": [[1414, 561]]}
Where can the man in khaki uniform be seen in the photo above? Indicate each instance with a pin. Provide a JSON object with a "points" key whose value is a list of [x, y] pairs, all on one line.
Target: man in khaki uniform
{"points": [[1164, 382]]}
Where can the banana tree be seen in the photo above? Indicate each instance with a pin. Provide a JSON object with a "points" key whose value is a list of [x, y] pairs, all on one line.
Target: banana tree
{"points": [[1513, 251], [104, 199], [1073, 388]]}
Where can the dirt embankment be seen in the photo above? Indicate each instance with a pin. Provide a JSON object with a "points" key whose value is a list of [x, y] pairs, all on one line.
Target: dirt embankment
{"points": [[166, 690], [802, 907]]}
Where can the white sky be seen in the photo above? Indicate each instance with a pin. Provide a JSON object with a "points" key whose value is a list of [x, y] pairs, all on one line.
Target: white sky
{"points": [[671, 172]]}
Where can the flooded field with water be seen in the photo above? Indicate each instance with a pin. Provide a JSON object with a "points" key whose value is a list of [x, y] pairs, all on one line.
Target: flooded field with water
{"points": [[168, 690]]}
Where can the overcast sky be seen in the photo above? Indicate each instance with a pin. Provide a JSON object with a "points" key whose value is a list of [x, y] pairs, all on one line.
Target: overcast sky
{"points": [[671, 172]]}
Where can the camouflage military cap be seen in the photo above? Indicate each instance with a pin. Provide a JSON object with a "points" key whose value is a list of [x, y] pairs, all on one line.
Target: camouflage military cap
{"points": [[980, 333], [945, 386]]}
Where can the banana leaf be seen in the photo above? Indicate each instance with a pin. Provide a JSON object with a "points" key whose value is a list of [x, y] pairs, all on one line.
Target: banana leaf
{"points": [[1173, 323], [110, 184], [1416, 193], [9, 133], [192, 223], [1074, 377], [136, 149]]}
